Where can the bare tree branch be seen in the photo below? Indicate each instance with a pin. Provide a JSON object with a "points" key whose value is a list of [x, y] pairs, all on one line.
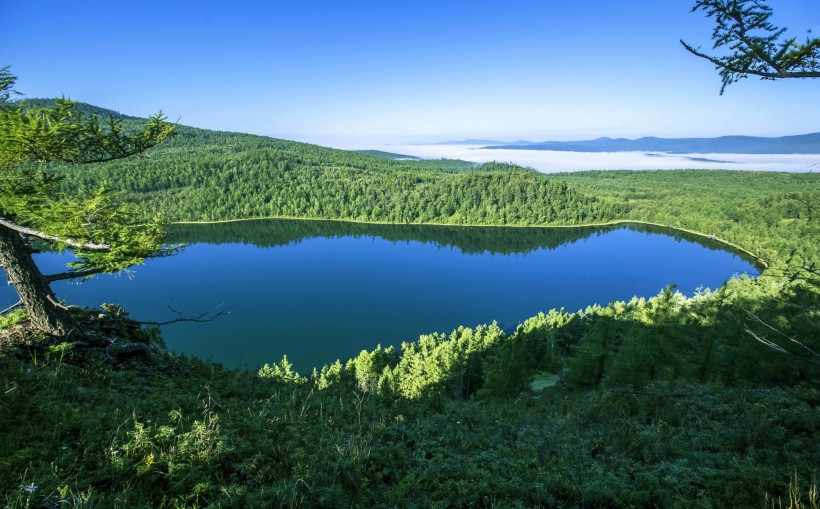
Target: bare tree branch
{"points": [[58, 304], [200, 318], [16, 305], [51, 238], [778, 348], [814, 356]]}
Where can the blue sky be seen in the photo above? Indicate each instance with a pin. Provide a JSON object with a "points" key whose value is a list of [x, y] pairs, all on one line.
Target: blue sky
{"points": [[356, 72]]}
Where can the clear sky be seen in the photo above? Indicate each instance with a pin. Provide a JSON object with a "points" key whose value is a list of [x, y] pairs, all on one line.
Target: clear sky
{"points": [[341, 73]]}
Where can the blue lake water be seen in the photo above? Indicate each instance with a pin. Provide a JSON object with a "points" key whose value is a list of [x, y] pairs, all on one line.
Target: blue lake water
{"points": [[318, 291]]}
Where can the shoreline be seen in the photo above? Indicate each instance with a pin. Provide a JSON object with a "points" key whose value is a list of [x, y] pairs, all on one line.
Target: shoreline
{"points": [[757, 259]]}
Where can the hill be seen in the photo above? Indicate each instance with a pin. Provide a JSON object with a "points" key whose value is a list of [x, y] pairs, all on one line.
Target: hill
{"points": [[211, 175], [88, 109]]}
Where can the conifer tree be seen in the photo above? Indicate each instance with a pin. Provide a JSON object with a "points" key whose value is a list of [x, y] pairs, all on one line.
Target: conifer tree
{"points": [[754, 46], [34, 212]]}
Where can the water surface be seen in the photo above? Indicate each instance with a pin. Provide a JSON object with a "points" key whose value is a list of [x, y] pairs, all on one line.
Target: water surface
{"points": [[322, 290]]}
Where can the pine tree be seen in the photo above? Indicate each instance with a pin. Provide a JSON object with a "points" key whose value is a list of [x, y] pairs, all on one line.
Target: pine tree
{"points": [[754, 46], [99, 230]]}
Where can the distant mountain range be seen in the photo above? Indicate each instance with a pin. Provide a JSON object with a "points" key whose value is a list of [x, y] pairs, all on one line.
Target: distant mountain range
{"points": [[799, 144]]}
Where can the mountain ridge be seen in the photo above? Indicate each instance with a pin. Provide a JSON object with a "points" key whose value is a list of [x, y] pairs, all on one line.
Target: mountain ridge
{"points": [[83, 107], [733, 144]]}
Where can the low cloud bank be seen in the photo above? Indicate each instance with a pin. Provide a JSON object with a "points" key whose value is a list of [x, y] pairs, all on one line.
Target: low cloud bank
{"points": [[553, 161]]}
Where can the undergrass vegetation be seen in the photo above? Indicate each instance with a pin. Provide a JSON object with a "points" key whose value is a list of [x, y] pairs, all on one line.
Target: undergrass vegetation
{"points": [[181, 433], [662, 402]]}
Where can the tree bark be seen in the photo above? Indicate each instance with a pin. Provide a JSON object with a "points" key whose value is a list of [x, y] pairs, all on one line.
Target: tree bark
{"points": [[32, 286]]}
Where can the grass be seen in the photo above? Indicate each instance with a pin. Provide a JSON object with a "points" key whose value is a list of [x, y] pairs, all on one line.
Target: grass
{"points": [[80, 430]]}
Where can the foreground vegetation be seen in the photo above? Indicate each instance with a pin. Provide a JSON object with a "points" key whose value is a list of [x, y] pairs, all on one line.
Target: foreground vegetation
{"points": [[659, 403], [665, 402]]}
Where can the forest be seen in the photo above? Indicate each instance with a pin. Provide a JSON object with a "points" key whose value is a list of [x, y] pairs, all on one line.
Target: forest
{"points": [[672, 401], [204, 176]]}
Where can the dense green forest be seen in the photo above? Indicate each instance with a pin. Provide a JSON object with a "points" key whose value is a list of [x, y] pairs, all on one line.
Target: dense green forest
{"points": [[773, 215], [207, 175], [662, 402]]}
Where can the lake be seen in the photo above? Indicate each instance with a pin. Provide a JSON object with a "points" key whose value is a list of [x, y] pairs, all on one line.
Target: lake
{"points": [[322, 290]]}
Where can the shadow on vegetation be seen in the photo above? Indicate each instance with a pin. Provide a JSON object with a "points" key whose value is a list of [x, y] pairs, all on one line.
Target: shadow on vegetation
{"points": [[664, 402]]}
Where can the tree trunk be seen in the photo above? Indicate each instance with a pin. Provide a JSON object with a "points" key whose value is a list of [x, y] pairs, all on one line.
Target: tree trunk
{"points": [[32, 287]]}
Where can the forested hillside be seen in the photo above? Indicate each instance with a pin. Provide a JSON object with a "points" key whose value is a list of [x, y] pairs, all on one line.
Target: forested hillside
{"points": [[209, 175], [773, 215]]}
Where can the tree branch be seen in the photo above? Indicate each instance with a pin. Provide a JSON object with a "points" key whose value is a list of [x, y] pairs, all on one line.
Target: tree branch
{"points": [[737, 70], [753, 45], [51, 238], [58, 304], [200, 318], [814, 356], [754, 48], [12, 307], [73, 274], [718, 63], [778, 348]]}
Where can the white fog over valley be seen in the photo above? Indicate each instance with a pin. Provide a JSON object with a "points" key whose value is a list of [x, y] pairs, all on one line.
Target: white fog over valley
{"points": [[549, 161]]}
